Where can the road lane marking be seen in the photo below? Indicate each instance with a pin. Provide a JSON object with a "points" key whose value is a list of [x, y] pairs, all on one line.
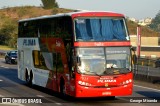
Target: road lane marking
{"points": [[147, 88], [16, 104], [58, 103], [1, 96], [50, 100], [39, 95], [4, 67]]}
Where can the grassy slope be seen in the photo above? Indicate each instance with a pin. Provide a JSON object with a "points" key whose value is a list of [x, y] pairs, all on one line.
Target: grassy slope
{"points": [[17, 13], [10, 16], [6, 48], [145, 31]]}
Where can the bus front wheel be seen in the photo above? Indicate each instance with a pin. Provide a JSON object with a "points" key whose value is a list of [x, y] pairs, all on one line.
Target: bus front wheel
{"points": [[112, 97], [62, 89]]}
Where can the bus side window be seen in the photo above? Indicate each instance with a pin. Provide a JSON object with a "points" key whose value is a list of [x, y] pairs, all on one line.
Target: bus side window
{"points": [[42, 61], [36, 58]]}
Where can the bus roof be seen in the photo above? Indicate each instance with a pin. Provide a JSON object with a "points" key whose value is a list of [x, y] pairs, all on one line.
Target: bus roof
{"points": [[78, 14]]}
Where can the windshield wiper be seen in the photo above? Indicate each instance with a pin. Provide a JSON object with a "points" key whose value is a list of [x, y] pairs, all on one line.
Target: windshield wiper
{"points": [[124, 70]]}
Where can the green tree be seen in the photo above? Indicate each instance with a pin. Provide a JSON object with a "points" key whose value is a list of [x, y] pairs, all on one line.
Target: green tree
{"points": [[155, 25], [8, 33], [49, 4]]}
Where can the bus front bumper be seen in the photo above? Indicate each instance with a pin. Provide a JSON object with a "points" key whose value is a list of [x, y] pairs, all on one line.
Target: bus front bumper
{"points": [[124, 90]]}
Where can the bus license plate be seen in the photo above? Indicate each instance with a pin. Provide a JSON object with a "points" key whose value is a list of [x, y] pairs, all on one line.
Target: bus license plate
{"points": [[106, 93]]}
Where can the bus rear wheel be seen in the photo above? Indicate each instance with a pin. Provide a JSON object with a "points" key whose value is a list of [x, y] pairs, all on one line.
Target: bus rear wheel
{"points": [[29, 79]]}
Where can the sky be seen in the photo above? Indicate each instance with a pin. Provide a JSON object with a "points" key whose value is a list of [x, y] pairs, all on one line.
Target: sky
{"points": [[138, 9]]}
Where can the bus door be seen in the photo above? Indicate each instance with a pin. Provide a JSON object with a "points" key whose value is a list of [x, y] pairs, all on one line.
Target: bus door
{"points": [[59, 64], [58, 68], [53, 75]]}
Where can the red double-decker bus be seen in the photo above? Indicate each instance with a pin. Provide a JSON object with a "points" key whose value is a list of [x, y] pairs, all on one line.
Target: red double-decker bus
{"points": [[81, 54]]}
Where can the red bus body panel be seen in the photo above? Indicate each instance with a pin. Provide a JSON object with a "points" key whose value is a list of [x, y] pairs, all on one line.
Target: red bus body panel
{"points": [[96, 14], [101, 86], [93, 44]]}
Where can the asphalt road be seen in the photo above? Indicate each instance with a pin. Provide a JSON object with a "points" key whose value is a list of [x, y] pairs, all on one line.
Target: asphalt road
{"points": [[11, 86]]}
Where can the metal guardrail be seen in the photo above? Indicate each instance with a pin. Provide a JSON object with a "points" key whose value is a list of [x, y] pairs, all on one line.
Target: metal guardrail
{"points": [[147, 71], [146, 66]]}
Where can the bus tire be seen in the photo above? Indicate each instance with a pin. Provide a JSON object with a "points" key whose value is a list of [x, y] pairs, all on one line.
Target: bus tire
{"points": [[29, 78], [112, 97]]}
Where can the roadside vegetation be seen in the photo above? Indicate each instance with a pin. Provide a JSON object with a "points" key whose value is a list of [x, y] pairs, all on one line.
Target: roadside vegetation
{"points": [[9, 21], [155, 25], [146, 31], [6, 48]]}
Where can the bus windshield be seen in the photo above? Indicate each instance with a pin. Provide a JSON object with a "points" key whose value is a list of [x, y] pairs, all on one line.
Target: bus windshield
{"points": [[100, 29], [118, 60], [104, 61], [92, 60]]}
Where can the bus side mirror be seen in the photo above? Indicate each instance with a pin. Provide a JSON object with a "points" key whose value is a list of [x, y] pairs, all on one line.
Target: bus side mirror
{"points": [[73, 72], [133, 49], [134, 59]]}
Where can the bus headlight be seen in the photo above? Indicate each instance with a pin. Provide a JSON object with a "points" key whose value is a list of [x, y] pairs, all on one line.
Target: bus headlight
{"points": [[84, 83], [127, 81]]}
